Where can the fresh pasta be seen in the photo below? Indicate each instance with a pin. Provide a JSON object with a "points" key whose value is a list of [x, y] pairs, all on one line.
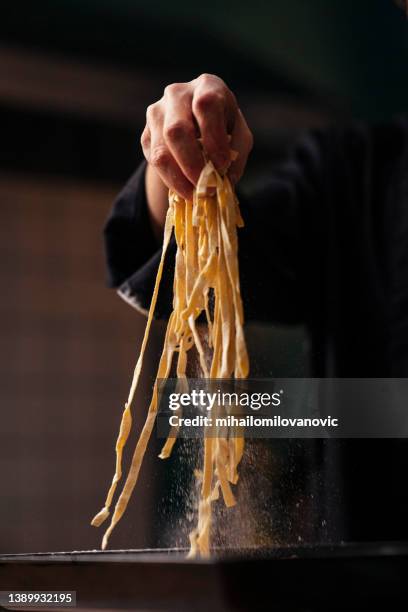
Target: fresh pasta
{"points": [[206, 283]]}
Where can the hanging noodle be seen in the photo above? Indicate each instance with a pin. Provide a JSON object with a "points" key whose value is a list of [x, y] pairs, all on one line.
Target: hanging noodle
{"points": [[206, 265]]}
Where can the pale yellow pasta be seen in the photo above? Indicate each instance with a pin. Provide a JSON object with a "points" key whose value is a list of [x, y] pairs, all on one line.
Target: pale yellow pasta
{"points": [[206, 265]]}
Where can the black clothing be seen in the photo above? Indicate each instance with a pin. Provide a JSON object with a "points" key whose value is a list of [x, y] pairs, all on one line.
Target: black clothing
{"points": [[325, 243]]}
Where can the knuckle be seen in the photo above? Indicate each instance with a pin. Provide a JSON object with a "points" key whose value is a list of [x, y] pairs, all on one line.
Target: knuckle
{"points": [[152, 111], [160, 157], [209, 100], [145, 139], [206, 77], [172, 88], [177, 130]]}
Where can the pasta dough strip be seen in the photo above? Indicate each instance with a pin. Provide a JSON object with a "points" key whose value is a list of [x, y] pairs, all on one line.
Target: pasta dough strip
{"points": [[126, 422], [162, 372], [206, 265]]}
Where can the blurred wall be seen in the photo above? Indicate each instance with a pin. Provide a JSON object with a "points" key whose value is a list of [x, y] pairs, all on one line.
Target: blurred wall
{"points": [[354, 50], [68, 346]]}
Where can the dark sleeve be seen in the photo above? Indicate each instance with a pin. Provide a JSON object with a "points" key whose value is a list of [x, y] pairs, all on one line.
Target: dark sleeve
{"points": [[278, 247], [132, 252], [272, 250]]}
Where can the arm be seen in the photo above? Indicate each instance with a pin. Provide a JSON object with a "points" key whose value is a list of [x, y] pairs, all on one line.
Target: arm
{"points": [[270, 242], [277, 244], [204, 108]]}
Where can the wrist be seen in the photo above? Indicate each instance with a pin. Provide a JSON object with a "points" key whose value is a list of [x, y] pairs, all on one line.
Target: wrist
{"points": [[157, 200]]}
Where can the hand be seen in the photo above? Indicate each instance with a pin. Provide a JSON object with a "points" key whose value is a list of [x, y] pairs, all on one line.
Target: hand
{"points": [[203, 108]]}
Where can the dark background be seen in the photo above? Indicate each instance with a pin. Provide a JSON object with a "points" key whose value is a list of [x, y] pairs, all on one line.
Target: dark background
{"points": [[75, 79]]}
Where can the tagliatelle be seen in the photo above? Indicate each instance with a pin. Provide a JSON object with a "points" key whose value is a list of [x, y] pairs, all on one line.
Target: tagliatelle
{"points": [[206, 270]]}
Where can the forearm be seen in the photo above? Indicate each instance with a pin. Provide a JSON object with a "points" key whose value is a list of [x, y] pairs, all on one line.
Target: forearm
{"points": [[157, 201]]}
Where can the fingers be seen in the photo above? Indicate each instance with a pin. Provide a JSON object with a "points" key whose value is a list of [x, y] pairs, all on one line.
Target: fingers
{"points": [[180, 133], [213, 108], [242, 142], [159, 156], [204, 108]]}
